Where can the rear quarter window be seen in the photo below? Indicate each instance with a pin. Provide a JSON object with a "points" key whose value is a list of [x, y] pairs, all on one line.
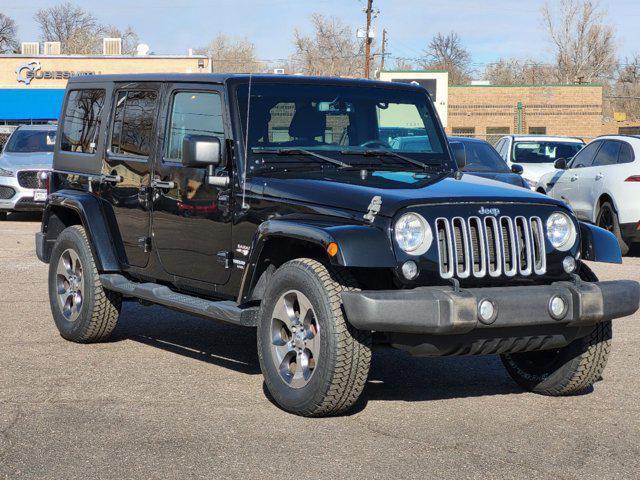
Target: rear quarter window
{"points": [[81, 120]]}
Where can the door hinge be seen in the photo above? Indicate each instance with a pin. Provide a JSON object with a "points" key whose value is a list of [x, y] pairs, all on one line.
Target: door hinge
{"points": [[225, 258], [145, 243]]}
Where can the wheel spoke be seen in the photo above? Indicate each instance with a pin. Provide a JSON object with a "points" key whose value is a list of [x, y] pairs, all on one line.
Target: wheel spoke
{"points": [[283, 312]]}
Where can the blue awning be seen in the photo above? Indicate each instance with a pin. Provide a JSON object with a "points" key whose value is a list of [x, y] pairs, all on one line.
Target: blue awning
{"points": [[30, 104]]}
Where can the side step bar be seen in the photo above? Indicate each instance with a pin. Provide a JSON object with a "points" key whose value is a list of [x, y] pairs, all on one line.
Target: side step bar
{"points": [[226, 311]]}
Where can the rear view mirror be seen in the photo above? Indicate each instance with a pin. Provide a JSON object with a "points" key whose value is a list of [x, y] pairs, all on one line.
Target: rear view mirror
{"points": [[515, 168], [561, 164], [459, 154], [201, 151]]}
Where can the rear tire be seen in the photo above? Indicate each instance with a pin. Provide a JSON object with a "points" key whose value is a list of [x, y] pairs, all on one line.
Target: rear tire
{"points": [[566, 371], [608, 219], [313, 361], [83, 311]]}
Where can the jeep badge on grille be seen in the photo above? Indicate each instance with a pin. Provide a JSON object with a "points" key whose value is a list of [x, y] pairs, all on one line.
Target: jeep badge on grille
{"points": [[489, 211]]}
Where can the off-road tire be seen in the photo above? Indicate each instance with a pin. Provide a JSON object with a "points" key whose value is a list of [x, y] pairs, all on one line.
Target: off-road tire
{"points": [[607, 209], [570, 370], [343, 366], [100, 308]]}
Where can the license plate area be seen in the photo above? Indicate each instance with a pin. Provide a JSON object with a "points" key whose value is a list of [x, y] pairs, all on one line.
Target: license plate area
{"points": [[39, 195]]}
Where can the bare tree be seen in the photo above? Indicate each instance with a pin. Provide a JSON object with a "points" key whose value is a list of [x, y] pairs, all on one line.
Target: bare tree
{"points": [[514, 71], [332, 49], [625, 92], [584, 44], [76, 29], [232, 55], [8, 34], [403, 64], [446, 52]]}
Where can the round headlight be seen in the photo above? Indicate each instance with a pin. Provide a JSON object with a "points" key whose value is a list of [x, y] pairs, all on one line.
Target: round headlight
{"points": [[413, 234], [561, 231]]}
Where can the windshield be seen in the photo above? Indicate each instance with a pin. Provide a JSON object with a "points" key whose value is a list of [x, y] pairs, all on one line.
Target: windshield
{"points": [[482, 157], [30, 141], [358, 125], [544, 152]]}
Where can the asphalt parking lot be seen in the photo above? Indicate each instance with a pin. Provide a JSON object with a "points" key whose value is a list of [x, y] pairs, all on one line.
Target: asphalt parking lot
{"points": [[174, 396]]}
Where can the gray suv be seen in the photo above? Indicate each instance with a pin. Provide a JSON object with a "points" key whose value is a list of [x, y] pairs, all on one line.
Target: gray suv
{"points": [[24, 165]]}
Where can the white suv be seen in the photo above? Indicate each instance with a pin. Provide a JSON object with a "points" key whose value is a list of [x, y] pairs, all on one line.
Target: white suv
{"points": [[536, 153], [602, 185]]}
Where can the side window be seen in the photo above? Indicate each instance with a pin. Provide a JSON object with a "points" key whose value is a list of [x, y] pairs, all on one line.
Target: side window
{"points": [[584, 158], [626, 153], [608, 154], [192, 113], [133, 119], [81, 120]]}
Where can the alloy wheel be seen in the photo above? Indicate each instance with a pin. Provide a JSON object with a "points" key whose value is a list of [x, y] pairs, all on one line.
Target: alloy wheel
{"points": [[295, 338], [70, 285]]}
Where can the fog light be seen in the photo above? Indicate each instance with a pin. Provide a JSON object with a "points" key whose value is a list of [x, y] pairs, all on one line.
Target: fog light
{"points": [[410, 269], [569, 264], [557, 307], [486, 311]]}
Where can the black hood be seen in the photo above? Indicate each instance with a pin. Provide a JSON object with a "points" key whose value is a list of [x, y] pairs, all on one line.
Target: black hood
{"points": [[348, 189]]}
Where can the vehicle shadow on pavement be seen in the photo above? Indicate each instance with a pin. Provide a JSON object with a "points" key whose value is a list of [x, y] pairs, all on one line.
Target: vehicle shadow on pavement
{"points": [[394, 375], [24, 217]]}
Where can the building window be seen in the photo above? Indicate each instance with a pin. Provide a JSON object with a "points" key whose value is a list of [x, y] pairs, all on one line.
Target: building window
{"points": [[463, 131], [82, 120], [132, 132], [629, 130], [496, 133], [537, 130]]}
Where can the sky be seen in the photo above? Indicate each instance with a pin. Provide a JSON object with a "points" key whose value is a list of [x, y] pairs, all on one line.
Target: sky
{"points": [[490, 29]]}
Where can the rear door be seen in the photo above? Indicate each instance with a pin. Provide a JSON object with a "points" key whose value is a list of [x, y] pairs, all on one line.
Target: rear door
{"points": [[130, 144], [191, 219]]}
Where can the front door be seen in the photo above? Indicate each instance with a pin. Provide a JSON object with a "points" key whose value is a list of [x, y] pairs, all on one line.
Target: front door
{"points": [[567, 187], [191, 219], [130, 144]]}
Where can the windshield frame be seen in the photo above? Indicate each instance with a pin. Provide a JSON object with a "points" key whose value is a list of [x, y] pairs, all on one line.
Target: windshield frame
{"points": [[256, 162], [34, 131]]}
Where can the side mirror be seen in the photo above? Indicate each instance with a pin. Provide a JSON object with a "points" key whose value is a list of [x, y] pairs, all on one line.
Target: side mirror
{"points": [[515, 168], [201, 151], [459, 154], [560, 164]]}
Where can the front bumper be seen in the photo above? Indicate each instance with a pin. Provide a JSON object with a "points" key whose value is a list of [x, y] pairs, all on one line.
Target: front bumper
{"points": [[22, 199], [443, 311]]}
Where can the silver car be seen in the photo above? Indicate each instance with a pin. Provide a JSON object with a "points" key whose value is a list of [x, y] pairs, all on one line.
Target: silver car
{"points": [[24, 164]]}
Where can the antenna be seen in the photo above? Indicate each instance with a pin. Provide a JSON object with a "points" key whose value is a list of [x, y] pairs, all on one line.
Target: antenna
{"points": [[246, 147]]}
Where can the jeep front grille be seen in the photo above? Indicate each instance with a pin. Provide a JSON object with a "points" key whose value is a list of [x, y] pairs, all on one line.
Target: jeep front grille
{"points": [[6, 192], [28, 179], [490, 246]]}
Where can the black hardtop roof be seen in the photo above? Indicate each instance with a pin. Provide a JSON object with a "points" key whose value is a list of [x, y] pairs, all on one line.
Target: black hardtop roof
{"points": [[220, 78]]}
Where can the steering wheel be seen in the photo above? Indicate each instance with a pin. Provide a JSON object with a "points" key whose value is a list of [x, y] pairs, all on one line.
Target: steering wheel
{"points": [[375, 143]]}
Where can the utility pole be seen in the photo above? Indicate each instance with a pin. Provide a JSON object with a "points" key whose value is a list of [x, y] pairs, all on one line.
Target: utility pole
{"points": [[367, 45], [384, 49]]}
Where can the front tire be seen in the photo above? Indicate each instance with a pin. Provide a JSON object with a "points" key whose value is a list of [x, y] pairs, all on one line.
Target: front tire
{"points": [[313, 361], [608, 219], [565, 371], [83, 311]]}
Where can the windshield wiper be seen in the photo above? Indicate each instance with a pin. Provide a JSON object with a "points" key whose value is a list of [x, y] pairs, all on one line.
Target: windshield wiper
{"points": [[389, 153], [299, 151]]}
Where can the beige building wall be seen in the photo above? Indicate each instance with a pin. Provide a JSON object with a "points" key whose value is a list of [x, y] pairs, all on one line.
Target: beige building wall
{"points": [[56, 69], [491, 111]]}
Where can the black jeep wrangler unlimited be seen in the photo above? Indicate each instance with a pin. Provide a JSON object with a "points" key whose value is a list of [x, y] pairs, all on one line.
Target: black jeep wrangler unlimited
{"points": [[328, 213]]}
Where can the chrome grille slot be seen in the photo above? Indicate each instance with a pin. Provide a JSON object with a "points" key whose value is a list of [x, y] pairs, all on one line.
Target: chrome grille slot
{"points": [[462, 247], [490, 246]]}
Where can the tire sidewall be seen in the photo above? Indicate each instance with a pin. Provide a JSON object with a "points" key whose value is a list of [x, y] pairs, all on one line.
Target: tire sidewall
{"points": [[71, 239], [295, 276], [624, 248]]}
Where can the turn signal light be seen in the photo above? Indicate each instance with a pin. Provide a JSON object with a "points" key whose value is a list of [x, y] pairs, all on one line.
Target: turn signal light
{"points": [[633, 178], [332, 249]]}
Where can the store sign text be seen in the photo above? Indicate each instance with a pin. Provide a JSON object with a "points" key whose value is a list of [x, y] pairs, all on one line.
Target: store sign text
{"points": [[29, 71]]}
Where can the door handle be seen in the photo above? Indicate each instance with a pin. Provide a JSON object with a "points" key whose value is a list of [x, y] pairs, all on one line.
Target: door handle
{"points": [[163, 185], [574, 178], [600, 176]]}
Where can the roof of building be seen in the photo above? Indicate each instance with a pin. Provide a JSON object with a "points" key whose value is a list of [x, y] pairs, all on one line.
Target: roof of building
{"points": [[30, 104]]}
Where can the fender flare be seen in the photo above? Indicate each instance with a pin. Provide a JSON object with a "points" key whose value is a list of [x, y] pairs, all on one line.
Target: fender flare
{"points": [[107, 250], [598, 244], [358, 245]]}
